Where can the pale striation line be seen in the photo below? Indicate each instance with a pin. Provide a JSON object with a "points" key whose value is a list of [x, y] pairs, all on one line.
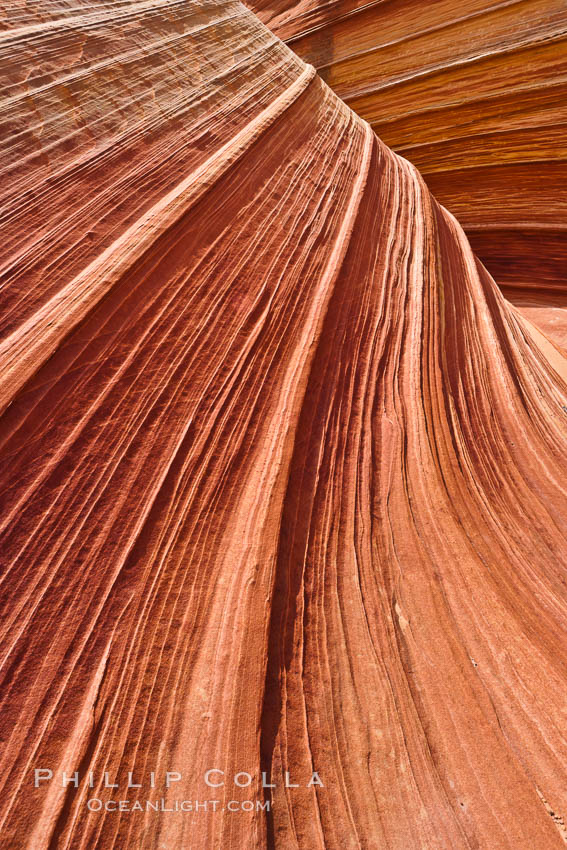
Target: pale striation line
{"points": [[27, 348]]}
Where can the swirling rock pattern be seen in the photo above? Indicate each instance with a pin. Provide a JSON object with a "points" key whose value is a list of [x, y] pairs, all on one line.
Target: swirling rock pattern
{"points": [[475, 95], [283, 473]]}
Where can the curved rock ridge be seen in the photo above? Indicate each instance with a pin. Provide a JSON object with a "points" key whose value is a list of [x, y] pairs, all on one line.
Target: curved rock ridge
{"points": [[283, 473], [474, 94]]}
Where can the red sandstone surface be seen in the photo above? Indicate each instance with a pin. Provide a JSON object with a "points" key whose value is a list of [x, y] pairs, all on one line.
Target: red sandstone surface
{"points": [[283, 472], [473, 93]]}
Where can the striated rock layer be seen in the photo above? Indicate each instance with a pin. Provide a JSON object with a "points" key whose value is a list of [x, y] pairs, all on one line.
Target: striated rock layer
{"points": [[475, 95], [283, 473]]}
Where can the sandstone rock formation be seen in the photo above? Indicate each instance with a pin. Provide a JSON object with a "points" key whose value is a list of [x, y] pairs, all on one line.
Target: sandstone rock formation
{"points": [[475, 95], [283, 473]]}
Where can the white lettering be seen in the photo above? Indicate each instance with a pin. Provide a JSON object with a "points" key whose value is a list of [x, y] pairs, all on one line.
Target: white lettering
{"points": [[172, 776], [315, 780], [41, 775], [213, 784]]}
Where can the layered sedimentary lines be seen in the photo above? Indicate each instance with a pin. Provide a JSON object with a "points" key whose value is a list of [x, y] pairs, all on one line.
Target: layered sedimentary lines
{"points": [[474, 95], [282, 471]]}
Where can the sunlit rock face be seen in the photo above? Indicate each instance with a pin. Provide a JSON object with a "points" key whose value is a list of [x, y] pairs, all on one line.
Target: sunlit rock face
{"points": [[283, 473], [473, 93]]}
